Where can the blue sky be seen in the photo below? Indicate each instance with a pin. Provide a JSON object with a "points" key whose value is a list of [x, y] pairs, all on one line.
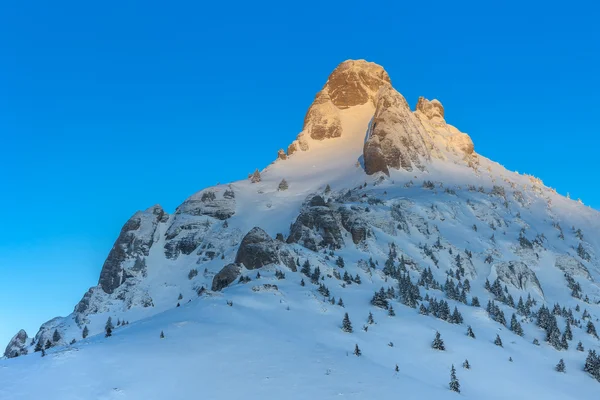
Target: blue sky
{"points": [[112, 107]]}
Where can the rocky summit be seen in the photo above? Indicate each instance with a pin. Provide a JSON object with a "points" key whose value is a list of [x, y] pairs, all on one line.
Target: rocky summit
{"points": [[380, 254]]}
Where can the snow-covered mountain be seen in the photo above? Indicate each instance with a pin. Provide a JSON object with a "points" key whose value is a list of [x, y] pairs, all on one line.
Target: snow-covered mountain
{"points": [[376, 212]]}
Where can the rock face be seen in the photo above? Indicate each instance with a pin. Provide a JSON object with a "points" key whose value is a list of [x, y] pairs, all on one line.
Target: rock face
{"points": [[352, 83], [572, 266], [189, 229], [126, 258], [226, 276], [208, 203], [320, 225], [518, 275], [396, 138], [259, 249], [17, 345], [316, 226]]}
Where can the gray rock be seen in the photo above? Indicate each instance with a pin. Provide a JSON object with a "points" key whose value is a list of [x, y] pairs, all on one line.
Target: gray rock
{"points": [[518, 275], [134, 241], [17, 345], [209, 203], [259, 249], [572, 266], [226, 276], [316, 227], [354, 223]]}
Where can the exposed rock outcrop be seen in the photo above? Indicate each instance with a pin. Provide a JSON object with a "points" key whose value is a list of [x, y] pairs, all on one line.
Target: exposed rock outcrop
{"points": [[518, 275], [134, 242], [316, 226], [209, 203], [259, 249], [396, 138], [226, 276], [17, 345], [572, 266], [352, 83]]}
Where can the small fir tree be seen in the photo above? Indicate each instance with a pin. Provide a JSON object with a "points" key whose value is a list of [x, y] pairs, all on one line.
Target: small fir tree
{"points": [[438, 342], [346, 324], [560, 367], [498, 341], [454, 384]]}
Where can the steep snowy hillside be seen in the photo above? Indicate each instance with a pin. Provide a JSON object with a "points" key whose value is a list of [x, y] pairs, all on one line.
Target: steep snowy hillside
{"points": [[376, 212]]}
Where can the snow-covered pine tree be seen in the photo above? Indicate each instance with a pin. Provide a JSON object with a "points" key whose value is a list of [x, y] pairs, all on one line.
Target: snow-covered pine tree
{"points": [[470, 332], [370, 319], [498, 341], [56, 336], [454, 384], [466, 365], [391, 311], [346, 324], [515, 325], [357, 351], [162, 335], [438, 342], [108, 328], [560, 367]]}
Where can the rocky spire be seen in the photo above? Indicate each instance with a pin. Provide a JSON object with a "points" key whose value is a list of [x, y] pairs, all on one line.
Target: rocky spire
{"points": [[352, 83]]}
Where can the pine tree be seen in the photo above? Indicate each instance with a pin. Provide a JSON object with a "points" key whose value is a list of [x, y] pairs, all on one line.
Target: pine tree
{"points": [[568, 333], [438, 342], [454, 384], [515, 325], [475, 302], [470, 332], [397, 369], [580, 347], [391, 311], [180, 297], [48, 344], [162, 335], [108, 328], [305, 268], [357, 351], [346, 324], [560, 367], [456, 317], [43, 352], [38, 346], [56, 336], [341, 302], [340, 262], [536, 342], [466, 365], [592, 364], [370, 319], [302, 282], [498, 341], [591, 329]]}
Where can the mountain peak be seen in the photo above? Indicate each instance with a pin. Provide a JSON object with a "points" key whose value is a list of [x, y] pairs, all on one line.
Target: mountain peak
{"points": [[355, 82]]}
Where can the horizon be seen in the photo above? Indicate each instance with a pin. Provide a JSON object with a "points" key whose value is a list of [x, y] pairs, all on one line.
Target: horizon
{"points": [[103, 122]]}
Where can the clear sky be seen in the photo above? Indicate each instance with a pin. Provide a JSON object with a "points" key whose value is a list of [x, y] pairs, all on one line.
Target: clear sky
{"points": [[110, 107]]}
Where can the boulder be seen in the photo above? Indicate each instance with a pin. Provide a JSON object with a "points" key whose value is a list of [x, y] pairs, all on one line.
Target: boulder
{"points": [[226, 276], [259, 249]]}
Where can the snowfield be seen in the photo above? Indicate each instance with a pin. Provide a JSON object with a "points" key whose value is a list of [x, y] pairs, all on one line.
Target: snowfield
{"points": [[269, 336]]}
